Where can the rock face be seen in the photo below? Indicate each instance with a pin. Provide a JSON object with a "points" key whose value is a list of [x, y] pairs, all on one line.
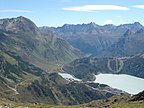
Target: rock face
{"points": [[94, 39], [22, 36], [18, 24], [129, 44]]}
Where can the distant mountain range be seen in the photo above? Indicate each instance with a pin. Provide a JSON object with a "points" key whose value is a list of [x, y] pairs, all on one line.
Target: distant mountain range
{"points": [[107, 40], [131, 43]]}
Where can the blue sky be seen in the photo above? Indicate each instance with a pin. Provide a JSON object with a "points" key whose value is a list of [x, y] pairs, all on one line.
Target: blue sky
{"points": [[59, 12]]}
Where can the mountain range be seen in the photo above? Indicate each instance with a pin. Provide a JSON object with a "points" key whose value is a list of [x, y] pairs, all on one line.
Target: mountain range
{"points": [[27, 55], [99, 40], [32, 57]]}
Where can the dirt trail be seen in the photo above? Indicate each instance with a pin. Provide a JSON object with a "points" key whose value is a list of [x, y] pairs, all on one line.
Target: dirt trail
{"points": [[13, 89]]}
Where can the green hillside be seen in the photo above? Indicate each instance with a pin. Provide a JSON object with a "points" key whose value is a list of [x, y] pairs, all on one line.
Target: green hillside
{"points": [[22, 36]]}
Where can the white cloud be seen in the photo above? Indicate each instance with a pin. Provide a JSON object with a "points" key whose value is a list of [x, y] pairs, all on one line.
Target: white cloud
{"points": [[26, 11], [139, 6], [109, 21], [96, 8]]}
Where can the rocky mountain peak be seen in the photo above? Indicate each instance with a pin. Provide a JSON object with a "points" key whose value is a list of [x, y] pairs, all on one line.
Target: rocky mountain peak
{"points": [[137, 24], [18, 24], [132, 26], [92, 24]]}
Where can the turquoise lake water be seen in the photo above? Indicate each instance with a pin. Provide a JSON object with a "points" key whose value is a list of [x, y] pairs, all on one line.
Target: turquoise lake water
{"points": [[130, 84]]}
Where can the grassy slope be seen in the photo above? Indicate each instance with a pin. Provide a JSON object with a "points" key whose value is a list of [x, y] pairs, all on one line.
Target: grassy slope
{"points": [[10, 104], [129, 105], [123, 101], [42, 50]]}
